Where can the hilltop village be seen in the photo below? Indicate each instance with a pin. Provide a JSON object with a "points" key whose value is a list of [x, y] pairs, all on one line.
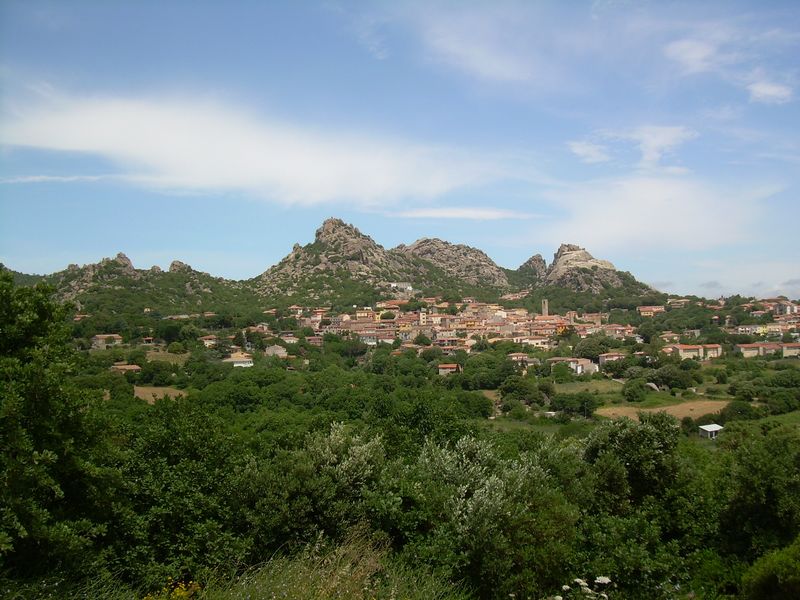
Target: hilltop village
{"points": [[466, 327]]}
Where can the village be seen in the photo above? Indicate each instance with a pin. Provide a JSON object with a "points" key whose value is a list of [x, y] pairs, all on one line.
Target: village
{"points": [[466, 326]]}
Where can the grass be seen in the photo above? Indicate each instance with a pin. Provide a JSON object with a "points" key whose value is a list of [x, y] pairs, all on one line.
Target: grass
{"points": [[163, 356], [601, 386], [151, 393], [357, 569]]}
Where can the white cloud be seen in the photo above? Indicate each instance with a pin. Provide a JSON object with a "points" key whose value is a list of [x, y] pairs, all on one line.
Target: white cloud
{"points": [[191, 145], [695, 56], [589, 152], [474, 43], [468, 213], [56, 178], [660, 213], [768, 92], [655, 140]]}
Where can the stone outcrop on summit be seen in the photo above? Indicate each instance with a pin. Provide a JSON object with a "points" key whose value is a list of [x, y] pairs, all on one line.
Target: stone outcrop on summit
{"points": [[457, 260]]}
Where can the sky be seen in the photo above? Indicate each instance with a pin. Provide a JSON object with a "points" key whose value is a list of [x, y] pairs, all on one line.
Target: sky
{"points": [[662, 136]]}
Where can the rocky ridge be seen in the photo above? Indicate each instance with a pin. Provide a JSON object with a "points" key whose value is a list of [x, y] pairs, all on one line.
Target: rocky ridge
{"points": [[340, 262], [339, 250], [459, 261]]}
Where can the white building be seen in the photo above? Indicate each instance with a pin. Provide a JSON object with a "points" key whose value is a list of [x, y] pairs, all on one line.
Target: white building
{"points": [[710, 431]]}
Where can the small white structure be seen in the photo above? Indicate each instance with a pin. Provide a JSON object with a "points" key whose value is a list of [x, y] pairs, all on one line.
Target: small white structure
{"points": [[710, 431]]}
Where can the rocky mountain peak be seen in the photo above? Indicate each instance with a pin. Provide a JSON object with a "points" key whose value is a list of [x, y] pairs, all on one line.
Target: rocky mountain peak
{"points": [[124, 261], [177, 266], [457, 260], [572, 256], [337, 230], [535, 266]]}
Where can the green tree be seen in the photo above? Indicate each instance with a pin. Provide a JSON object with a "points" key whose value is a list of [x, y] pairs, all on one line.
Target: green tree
{"points": [[51, 484], [635, 390], [774, 575]]}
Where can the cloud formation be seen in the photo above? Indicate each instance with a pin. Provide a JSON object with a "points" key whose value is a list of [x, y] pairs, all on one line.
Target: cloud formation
{"points": [[768, 92], [589, 152], [656, 140], [643, 212], [466, 212], [190, 145]]}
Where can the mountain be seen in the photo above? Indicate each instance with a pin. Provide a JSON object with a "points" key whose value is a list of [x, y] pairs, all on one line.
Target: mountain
{"points": [[460, 262], [341, 267], [575, 269], [114, 285], [342, 260]]}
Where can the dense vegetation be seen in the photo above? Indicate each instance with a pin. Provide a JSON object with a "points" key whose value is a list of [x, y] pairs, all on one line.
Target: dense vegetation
{"points": [[364, 473]]}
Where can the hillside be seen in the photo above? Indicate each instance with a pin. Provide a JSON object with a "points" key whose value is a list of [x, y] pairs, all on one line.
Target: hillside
{"points": [[114, 285], [461, 262], [573, 268], [341, 267], [343, 264]]}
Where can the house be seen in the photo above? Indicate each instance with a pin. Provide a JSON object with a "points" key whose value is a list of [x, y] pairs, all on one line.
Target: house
{"points": [[685, 351], [239, 359], [103, 340], [288, 337], [712, 351], [448, 368], [579, 365], [710, 431], [758, 349], [314, 340], [791, 349], [520, 358], [678, 302], [209, 341], [649, 311], [276, 350], [610, 357]]}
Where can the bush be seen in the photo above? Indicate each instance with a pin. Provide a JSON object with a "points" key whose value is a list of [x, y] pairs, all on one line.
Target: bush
{"points": [[635, 390], [774, 575]]}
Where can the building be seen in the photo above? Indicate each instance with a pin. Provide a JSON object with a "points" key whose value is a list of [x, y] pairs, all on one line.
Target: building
{"points": [[448, 368], [276, 350], [239, 359], [209, 341], [610, 357], [520, 358], [685, 351], [103, 340], [710, 431], [579, 365], [758, 349], [649, 311]]}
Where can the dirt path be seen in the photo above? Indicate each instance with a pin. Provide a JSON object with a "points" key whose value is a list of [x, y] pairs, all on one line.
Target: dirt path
{"points": [[694, 409]]}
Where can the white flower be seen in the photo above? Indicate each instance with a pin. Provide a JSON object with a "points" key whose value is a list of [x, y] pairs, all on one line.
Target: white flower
{"points": [[602, 579], [580, 582], [557, 598], [565, 588]]}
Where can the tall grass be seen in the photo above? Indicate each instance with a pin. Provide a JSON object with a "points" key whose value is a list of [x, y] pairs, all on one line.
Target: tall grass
{"points": [[357, 569]]}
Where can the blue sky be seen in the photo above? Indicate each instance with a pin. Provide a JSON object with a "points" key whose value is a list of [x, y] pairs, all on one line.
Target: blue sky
{"points": [[662, 136]]}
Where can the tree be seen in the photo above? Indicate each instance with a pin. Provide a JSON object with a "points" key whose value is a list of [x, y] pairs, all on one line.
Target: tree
{"points": [[387, 315], [635, 390], [422, 340], [48, 456], [774, 575]]}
